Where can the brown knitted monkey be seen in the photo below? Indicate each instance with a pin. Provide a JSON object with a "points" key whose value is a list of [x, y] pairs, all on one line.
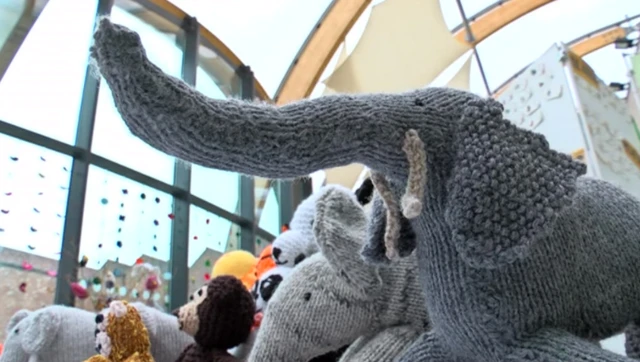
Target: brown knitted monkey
{"points": [[219, 316]]}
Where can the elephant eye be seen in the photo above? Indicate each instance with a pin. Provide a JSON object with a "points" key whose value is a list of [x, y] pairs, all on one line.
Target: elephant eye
{"points": [[307, 296]]}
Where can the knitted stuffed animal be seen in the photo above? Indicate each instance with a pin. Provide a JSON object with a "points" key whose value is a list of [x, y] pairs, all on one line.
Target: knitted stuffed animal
{"points": [[265, 287], [121, 335], [219, 317], [51, 334], [167, 341], [263, 265], [75, 326], [520, 256], [333, 297], [265, 262], [238, 263], [294, 245]]}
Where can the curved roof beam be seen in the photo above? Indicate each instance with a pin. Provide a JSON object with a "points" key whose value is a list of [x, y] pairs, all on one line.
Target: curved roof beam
{"points": [[176, 15], [586, 44], [495, 17], [600, 38], [316, 52]]}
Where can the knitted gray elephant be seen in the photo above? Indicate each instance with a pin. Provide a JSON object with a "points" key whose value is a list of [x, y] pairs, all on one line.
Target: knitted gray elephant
{"points": [[50, 334], [334, 297], [294, 245], [65, 334], [521, 257]]}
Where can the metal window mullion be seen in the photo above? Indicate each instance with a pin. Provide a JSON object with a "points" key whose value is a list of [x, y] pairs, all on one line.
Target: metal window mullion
{"points": [[247, 184], [179, 287], [71, 234]]}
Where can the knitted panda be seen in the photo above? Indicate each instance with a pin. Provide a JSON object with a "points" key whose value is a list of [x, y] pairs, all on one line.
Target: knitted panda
{"points": [[264, 288]]}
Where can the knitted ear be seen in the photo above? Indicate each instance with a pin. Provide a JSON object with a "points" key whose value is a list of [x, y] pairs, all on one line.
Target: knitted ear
{"points": [[40, 332], [507, 187], [16, 318], [374, 251], [148, 316], [340, 226]]}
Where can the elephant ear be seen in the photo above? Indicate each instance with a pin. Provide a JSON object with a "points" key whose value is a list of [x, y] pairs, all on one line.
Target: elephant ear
{"points": [[17, 318], [42, 330], [506, 189], [340, 230]]}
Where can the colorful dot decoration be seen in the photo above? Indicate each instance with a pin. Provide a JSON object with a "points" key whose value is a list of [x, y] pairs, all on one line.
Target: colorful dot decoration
{"points": [[122, 218]]}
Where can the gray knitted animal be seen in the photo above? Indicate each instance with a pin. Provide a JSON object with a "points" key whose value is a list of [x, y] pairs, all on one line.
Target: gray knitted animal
{"points": [[62, 334], [294, 245], [334, 297], [523, 259], [50, 334]]}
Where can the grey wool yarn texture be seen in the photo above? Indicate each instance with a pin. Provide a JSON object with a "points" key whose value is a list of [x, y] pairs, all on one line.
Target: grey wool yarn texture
{"points": [[333, 298], [521, 257], [65, 334]]}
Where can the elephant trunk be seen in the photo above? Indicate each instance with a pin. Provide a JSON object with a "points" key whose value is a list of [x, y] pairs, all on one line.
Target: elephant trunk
{"points": [[261, 139]]}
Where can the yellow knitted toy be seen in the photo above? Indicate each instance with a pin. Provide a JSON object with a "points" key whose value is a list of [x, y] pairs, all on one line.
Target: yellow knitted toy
{"points": [[237, 263], [121, 336]]}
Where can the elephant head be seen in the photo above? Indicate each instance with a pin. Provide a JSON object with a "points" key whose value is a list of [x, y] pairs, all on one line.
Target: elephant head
{"points": [[334, 296], [296, 244], [491, 187], [47, 335]]}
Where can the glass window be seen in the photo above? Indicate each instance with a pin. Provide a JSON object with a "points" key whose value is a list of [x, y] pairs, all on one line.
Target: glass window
{"points": [[261, 188], [42, 87], [125, 244], [209, 237], [216, 79], [270, 215], [34, 184], [112, 139]]}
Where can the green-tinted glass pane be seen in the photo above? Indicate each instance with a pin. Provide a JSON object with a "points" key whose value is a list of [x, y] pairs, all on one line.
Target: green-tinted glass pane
{"points": [[126, 239], [43, 63], [34, 185]]}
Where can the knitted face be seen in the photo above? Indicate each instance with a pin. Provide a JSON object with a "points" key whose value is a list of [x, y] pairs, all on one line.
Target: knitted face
{"points": [[266, 286], [294, 245], [218, 315], [120, 332], [328, 300]]}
